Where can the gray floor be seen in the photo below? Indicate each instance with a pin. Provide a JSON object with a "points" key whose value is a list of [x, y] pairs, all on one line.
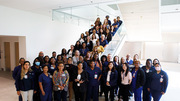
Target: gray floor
{"points": [[8, 93]]}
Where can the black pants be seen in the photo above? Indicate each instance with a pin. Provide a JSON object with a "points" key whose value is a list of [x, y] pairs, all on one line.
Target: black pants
{"points": [[36, 96], [79, 96], [146, 94], [111, 89], [102, 86], [125, 92], [61, 94]]}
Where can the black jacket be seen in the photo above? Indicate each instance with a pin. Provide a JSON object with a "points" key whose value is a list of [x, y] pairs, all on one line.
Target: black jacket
{"points": [[84, 77], [141, 78]]}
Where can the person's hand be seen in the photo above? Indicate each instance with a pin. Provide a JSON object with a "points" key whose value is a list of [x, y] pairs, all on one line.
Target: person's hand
{"points": [[35, 92], [76, 80], [61, 87], [107, 83], [18, 93], [148, 89], [162, 93], [43, 93], [81, 81]]}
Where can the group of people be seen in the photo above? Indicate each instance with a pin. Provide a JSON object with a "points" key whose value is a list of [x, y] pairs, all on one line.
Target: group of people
{"points": [[49, 80], [97, 38], [80, 72]]}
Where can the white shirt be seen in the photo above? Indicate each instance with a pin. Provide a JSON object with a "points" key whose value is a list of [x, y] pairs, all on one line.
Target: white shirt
{"points": [[75, 60], [97, 36], [108, 76], [94, 42], [126, 79]]}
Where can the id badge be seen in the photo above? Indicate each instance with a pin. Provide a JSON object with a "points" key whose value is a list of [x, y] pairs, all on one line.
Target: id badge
{"points": [[78, 84], [59, 88], [147, 71], [25, 76], [79, 77], [52, 67], [95, 76], [50, 76], [63, 75], [133, 75], [161, 79]]}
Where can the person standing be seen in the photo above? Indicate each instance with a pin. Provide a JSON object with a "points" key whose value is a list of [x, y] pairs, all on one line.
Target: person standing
{"points": [[138, 80], [18, 69], [111, 77], [80, 78], [94, 75], [45, 84], [25, 82], [126, 79], [60, 81], [158, 83], [148, 70]]}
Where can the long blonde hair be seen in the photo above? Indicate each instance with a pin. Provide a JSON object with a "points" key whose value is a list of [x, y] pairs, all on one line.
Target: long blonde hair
{"points": [[23, 71]]}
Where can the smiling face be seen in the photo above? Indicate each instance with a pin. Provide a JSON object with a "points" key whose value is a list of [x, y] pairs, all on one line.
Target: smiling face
{"points": [[80, 66], [26, 66], [61, 67], [124, 67], [45, 69], [110, 66]]}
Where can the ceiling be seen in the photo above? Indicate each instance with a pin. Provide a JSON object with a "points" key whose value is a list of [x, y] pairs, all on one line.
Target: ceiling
{"points": [[46, 6]]}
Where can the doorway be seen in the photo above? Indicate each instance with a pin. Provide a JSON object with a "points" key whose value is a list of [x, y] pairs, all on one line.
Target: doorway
{"points": [[7, 56]]}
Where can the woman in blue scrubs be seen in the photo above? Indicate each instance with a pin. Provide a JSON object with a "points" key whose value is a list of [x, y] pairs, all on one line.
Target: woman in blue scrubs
{"points": [[111, 77], [45, 84], [158, 83], [94, 75], [52, 65], [138, 80]]}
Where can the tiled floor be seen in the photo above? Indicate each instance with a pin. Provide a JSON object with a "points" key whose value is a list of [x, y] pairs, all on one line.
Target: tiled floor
{"points": [[8, 93]]}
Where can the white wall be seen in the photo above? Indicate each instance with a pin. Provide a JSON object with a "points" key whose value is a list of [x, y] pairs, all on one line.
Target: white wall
{"points": [[42, 34], [131, 48], [164, 51], [12, 40]]}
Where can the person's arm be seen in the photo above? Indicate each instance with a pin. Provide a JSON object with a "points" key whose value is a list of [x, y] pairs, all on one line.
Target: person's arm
{"points": [[15, 73], [165, 81], [54, 77], [67, 80], [130, 77], [40, 85], [143, 78], [100, 74], [17, 83]]}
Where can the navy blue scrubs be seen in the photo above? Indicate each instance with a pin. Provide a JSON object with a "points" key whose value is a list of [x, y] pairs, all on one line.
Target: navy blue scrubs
{"points": [[51, 69], [130, 62], [137, 91], [15, 73], [148, 74], [37, 71], [104, 43], [83, 51], [47, 87], [158, 84], [93, 83]]}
